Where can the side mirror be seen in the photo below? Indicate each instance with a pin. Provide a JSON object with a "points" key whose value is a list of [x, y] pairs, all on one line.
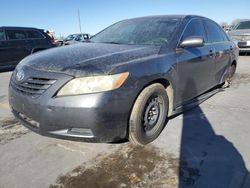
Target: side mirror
{"points": [[192, 42]]}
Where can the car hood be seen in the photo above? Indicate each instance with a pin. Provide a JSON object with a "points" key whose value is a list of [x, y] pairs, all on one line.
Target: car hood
{"points": [[87, 58], [239, 32]]}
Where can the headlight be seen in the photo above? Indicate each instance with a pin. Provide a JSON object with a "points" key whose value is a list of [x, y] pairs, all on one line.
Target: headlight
{"points": [[93, 84]]}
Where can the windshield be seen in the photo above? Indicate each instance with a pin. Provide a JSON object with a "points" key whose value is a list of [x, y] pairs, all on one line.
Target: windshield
{"points": [[138, 32], [243, 25]]}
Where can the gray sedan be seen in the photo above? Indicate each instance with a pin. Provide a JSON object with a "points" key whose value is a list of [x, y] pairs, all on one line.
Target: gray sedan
{"points": [[125, 81]]}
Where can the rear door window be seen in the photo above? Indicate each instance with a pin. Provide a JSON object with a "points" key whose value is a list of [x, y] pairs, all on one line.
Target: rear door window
{"points": [[194, 29], [32, 34], [2, 35], [16, 34], [214, 32]]}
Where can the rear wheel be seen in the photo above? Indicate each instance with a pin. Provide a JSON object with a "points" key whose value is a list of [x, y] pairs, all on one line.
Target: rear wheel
{"points": [[148, 115], [232, 71], [230, 76]]}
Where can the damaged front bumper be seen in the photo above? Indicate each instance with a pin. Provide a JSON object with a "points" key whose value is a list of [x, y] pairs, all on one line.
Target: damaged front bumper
{"points": [[99, 117]]}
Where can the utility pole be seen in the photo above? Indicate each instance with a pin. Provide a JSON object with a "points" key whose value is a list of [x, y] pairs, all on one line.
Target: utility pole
{"points": [[79, 20]]}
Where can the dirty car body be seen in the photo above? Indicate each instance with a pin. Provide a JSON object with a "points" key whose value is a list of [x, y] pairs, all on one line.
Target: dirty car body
{"points": [[40, 101]]}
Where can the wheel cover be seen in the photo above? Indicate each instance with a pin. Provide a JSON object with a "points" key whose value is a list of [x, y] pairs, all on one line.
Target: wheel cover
{"points": [[152, 113]]}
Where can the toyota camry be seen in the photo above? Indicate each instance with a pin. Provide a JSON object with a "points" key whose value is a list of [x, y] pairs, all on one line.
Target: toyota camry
{"points": [[124, 82]]}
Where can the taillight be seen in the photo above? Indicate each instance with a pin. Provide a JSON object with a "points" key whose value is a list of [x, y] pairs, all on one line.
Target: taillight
{"points": [[52, 41]]}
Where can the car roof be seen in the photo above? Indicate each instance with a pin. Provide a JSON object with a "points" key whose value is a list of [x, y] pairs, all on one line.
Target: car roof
{"points": [[79, 34], [180, 17], [15, 27]]}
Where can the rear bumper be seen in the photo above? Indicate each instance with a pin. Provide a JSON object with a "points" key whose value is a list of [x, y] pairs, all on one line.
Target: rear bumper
{"points": [[99, 117]]}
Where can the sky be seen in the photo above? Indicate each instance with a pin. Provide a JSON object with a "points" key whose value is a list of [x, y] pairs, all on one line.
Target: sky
{"points": [[61, 17]]}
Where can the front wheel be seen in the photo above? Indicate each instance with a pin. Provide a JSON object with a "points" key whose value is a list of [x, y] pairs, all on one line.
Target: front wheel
{"points": [[148, 115]]}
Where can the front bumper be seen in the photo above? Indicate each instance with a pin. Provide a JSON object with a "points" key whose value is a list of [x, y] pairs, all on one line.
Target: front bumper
{"points": [[99, 117], [244, 49], [244, 46]]}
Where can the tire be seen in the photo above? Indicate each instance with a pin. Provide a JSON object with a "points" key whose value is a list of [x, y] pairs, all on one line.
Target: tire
{"points": [[148, 116], [232, 71], [230, 76]]}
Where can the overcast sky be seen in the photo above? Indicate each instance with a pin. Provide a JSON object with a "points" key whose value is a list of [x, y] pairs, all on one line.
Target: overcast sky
{"points": [[61, 15]]}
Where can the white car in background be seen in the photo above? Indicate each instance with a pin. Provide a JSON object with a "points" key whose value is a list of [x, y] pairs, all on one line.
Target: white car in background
{"points": [[241, 35], [75, 38]]}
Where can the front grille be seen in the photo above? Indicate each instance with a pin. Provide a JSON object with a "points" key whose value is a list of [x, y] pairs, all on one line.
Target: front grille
{"points": [[242, 45], [33, 86]]}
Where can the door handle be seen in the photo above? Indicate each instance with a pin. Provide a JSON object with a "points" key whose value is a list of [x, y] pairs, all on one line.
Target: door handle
{"points": [[231, 48]]}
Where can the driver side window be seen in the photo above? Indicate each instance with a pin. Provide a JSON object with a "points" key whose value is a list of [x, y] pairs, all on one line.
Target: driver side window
{"points": [[194, 29]]}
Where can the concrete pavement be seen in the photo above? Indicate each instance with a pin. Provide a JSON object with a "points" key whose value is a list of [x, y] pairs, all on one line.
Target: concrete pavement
{"points": [[4, 106]]}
